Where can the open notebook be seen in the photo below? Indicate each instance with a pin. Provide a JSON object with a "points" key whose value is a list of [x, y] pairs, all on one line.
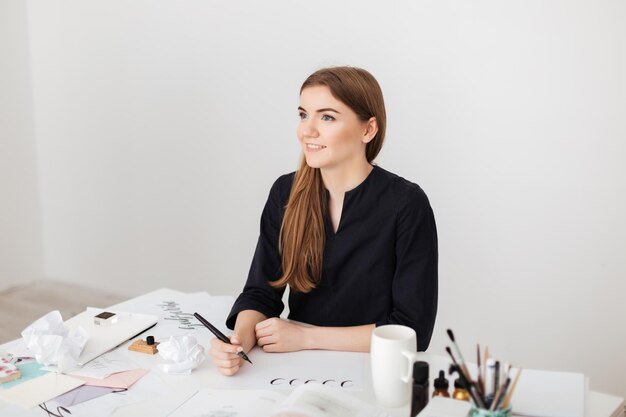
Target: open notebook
{"points": [[104, 338], [311, 400]]}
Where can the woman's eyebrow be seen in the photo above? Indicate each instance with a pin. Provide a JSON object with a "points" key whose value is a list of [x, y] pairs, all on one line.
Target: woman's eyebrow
{"points": [[321, 110]]}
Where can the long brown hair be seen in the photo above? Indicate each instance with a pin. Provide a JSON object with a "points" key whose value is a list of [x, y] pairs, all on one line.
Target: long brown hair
{"points": [[302, 235]]}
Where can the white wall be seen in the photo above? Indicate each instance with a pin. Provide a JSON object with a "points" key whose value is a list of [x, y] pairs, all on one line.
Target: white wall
{"points": [[162, 124], [21, 258]]}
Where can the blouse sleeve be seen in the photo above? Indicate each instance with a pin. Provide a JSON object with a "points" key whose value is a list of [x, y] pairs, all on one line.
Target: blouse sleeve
{"points": [[266, 266], [414, 286]]}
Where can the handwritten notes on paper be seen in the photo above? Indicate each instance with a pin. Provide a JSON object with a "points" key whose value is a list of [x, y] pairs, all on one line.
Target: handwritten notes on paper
{"points": [[104, 365], [285, 371], [175, 310]]}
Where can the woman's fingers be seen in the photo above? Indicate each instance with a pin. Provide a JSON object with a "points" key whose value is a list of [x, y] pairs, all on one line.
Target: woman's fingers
{"points": [[266, 323], [267, 340], [229, 371], [267, 327], [271, 348], [220, 346], [218, 354], [227, 363], [224, 355], [263, 333], [260, 325]]}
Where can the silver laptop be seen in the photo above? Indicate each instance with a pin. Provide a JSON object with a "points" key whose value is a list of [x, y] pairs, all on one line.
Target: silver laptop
{"points": [[103, 338]]}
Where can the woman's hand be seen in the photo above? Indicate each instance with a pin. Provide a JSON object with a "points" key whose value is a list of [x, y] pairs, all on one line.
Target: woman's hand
{"points": [[225, 355], [278, 335]]}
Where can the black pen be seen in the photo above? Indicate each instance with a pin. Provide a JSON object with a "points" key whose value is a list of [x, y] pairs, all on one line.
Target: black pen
{"points": [[219, 335]]}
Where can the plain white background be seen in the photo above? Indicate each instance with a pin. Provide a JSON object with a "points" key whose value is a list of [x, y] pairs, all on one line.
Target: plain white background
{"points": [[140, 138]]}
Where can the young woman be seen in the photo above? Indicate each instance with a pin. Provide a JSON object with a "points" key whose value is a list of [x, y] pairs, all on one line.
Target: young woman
{"points": [[356, 244]]}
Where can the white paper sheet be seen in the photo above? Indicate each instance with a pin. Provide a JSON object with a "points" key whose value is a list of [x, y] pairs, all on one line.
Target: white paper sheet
{"points": [[110, 363], [39, 390], [17, 348], [230, 403], [321, 401], [549, 394], [286, 371], [12, 410], [175, 310], [304, 401], [148, 387], [446, 407], [160, 405]]}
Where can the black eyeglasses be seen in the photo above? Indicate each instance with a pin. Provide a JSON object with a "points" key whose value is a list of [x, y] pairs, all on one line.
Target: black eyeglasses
{"points": [[60, 409], [59, 413]]}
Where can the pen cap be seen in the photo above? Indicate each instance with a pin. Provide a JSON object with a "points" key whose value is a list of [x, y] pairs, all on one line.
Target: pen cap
{"points": [[420, 372], [441, 382]]}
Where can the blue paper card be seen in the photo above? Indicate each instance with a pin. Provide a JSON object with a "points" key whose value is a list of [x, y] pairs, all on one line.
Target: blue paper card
{"points": [[29, 371]]}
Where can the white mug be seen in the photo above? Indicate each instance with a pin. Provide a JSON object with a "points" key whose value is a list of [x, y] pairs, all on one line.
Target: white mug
{"points": [[393, 352]]}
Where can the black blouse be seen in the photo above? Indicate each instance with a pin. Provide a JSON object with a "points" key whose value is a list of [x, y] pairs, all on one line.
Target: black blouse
{"points": [[379, 267]]}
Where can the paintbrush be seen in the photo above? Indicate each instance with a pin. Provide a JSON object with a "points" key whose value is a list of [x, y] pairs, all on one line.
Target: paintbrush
{"points": [[507, 399], [481, 385], [501, 389], [458, 352], [467, 381]]}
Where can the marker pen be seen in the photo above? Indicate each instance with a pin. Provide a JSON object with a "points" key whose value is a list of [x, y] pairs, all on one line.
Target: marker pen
{"points": [[490, 379]]}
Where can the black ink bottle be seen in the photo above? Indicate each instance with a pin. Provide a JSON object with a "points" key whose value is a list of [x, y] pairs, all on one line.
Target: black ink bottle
{"points": [[419, 396], [441, 386]]}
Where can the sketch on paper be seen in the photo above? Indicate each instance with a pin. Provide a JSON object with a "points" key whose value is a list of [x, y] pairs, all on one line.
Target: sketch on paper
{"points": [[186, 321]]}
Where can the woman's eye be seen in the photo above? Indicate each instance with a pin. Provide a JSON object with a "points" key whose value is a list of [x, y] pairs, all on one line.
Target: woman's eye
{"points": [[302, 115], [328, 118]]}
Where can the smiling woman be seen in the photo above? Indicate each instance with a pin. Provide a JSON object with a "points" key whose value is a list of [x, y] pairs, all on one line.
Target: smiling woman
{"points": [[356, 244]]}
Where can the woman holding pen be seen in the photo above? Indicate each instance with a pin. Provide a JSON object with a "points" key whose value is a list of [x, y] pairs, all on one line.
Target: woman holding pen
{"points": [[355, 243]]}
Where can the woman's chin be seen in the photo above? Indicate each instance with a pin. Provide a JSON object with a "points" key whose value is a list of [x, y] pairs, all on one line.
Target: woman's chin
{"points": [[314, 162]]}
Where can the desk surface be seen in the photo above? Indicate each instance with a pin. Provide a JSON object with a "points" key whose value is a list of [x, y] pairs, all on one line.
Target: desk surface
{"points": [[181, 387]]}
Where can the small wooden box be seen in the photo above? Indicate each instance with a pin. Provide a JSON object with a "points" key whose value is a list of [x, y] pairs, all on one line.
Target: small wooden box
{"points": [[142, 346]]}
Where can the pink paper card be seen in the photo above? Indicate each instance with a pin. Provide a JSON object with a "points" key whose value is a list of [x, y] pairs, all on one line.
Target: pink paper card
{"points": [[117, 380]]}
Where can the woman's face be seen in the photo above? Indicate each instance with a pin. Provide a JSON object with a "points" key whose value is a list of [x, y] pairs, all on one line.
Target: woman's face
{"points": [[330, 133]]}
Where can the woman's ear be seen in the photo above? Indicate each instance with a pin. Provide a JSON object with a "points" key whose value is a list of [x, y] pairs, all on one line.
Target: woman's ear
{"points": [[371, 128]]}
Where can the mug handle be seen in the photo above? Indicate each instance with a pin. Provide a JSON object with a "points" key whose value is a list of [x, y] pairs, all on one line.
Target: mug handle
{"points": [[412, 358]]}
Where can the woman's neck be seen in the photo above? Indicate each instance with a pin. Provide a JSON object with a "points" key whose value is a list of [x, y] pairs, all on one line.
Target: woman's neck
{"points": [[341, 179]]}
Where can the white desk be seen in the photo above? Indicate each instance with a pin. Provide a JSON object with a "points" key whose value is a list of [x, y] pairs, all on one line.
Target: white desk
{"points": [[181, 387]]}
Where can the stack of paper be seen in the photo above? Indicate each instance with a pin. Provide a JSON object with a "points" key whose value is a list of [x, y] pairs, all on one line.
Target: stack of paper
{"points": [[549, 394], [41, 389]]}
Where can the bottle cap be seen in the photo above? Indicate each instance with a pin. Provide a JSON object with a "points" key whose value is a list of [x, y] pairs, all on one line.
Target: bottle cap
{"points": [[458, 383], [150, 340], [420, 372], [441, 382]]}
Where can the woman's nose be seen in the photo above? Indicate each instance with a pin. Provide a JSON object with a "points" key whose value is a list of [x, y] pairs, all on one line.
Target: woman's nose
{"points": [[308, 128]]}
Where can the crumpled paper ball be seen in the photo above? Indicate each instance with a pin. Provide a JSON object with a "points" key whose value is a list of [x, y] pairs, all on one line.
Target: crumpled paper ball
{"points": [[184, 352], [51, 342]]}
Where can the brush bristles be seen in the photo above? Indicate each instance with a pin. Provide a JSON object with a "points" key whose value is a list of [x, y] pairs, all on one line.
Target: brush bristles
{"points": [[451, 355], [450, 334]]}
